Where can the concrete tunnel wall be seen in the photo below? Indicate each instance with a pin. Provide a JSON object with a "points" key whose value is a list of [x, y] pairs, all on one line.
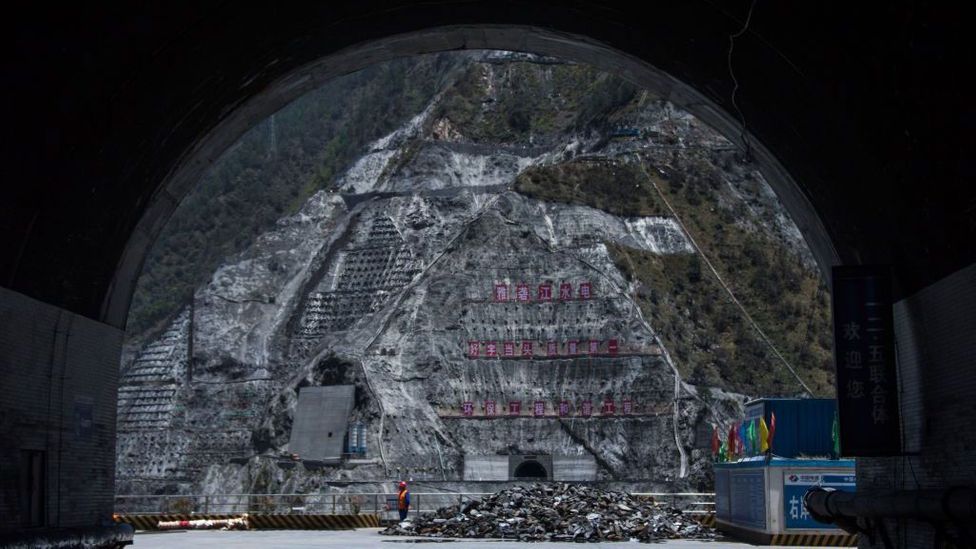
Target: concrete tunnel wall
{"points": [[58, 382], [879, 192]]}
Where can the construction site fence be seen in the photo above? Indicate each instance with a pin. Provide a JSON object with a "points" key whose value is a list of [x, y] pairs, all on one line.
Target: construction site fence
{"points": [[383, 505]]}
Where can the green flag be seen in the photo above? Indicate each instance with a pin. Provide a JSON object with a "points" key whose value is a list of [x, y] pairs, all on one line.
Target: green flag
{"points": [[835, 435]]}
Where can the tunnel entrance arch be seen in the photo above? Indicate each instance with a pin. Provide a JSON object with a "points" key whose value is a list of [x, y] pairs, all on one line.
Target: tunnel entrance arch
{"points": [[530, 470], [530, 467], [125, 182], [302, 79]]}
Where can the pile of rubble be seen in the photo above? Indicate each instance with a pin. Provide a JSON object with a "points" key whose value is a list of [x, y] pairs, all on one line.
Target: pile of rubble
{"points": [[556, 512]]}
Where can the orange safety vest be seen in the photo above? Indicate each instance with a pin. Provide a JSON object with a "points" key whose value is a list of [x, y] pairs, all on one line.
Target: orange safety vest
{"points": [[402, 500]]}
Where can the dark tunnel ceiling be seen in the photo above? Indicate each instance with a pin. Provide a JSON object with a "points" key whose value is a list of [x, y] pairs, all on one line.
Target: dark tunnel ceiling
{"points": [[865, 107]]}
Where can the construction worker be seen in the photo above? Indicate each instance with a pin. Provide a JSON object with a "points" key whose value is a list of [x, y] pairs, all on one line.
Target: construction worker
{"points": [[403, 501]]}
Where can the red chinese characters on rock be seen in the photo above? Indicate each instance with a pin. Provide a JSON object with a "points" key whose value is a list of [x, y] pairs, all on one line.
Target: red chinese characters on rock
{"points": [[563, 408], [514, 408], [467, 408], [628, 407], [565, 291], [585, 290], [508, 348], [526, 349], [501, 292], [539, 408], [586, 408], [490, 409], [608, 408], [545, 292]]}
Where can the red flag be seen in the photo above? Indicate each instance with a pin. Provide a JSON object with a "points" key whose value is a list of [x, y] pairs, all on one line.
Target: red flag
{"points": [[730, 449], [772, 431], [715, 442]]}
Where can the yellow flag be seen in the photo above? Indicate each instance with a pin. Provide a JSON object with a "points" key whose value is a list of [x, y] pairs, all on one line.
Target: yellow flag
{"points": [[763, 436]]}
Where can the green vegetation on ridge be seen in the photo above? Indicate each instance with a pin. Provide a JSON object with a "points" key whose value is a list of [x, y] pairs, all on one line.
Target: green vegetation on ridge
{"points": [[255, 183], [710, 340], [608, 186], [523, 102]]}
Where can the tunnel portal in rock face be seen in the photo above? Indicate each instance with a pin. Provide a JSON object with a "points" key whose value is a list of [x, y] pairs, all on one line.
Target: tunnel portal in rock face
{"points": [[530, 470]]}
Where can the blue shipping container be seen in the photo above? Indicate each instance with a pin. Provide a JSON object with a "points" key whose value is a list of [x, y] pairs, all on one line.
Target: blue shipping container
{"points": [[803, 425]]}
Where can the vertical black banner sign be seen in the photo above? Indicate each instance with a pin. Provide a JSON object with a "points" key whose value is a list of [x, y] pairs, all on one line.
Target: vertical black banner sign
{"points": [[864, 351]]}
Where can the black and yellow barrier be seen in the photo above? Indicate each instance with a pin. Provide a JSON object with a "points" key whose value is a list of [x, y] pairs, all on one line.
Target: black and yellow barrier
{"points": [[263, 522], [312, 522], [815, 540]]}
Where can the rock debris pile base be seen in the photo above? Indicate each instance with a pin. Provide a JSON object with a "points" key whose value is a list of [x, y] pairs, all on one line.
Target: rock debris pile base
{"points": [[556, 512]]}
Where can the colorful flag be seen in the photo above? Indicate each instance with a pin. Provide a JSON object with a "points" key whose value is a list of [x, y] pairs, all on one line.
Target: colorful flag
{"points": [[715, 442], [730, 449], [748, 440], [742, 436], [763, 436], [723, 452], [835, 435], [772, 431]]}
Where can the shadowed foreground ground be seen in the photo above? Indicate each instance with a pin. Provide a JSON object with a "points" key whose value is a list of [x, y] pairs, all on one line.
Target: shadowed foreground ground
{"points": [[356, 539]]}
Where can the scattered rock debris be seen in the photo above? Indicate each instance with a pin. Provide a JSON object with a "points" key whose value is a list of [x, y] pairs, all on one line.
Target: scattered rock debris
{"points": [[556, 512]]}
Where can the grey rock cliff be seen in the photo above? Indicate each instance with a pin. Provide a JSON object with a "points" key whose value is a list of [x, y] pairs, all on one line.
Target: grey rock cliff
{"points": [[383, 284]]}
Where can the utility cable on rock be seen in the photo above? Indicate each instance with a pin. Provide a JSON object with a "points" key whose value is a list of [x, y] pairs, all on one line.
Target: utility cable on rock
{"points": [[735, 81]]}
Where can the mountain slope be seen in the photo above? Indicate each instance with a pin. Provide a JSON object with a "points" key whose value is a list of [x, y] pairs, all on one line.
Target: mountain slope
{"points": [[385, 280]]}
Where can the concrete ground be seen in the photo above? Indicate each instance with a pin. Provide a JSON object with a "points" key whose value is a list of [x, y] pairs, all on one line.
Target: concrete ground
{"points": [[361, 539]]}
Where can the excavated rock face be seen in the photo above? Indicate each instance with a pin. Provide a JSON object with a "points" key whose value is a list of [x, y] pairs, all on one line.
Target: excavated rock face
{"points": [[386, 284]]}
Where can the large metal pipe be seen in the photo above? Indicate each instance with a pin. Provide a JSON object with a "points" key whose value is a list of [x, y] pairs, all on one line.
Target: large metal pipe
{"points": [[836, 507]]}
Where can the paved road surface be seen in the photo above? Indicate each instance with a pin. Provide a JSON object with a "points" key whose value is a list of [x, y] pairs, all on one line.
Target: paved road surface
{"points": [[363, 539]]}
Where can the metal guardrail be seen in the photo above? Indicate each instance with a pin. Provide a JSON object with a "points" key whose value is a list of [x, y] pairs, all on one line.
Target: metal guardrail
{"points": [[343, 503]]}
